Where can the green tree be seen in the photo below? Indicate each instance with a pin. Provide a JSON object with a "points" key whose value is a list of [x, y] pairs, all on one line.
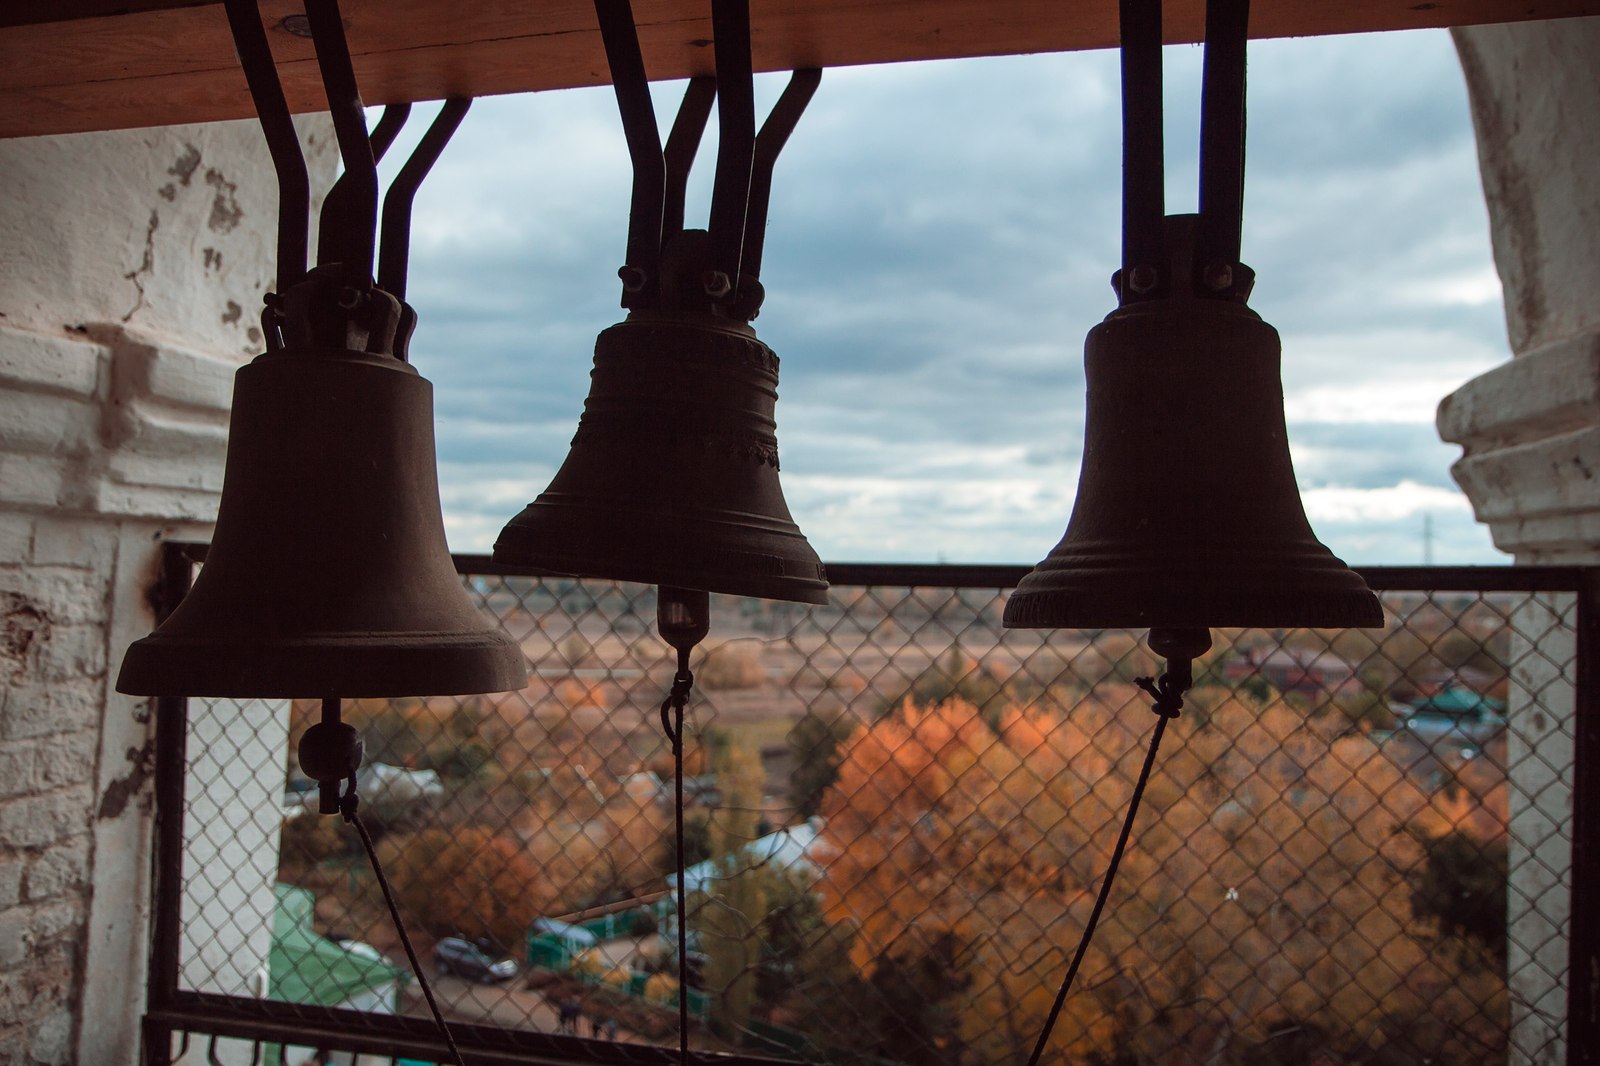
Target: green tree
{"points": [[1462, 888], [728, 920], [814, 742], [916, 1004]]}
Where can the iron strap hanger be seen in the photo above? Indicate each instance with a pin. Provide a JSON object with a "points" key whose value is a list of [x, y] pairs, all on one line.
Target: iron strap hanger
{"points": [[741, 190], [348, 232], [1218, 273]]}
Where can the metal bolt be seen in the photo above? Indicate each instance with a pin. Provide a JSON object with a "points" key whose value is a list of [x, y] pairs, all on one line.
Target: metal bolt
{"points": [[1143, 278], [633, 278], [299, 25], [1218, 276], [716, 283]]}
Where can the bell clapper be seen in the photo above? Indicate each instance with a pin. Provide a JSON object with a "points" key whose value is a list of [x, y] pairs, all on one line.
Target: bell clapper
{"points": [[330, 754], [1180, 647]]}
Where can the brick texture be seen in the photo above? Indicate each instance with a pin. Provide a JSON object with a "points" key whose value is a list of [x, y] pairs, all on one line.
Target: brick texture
{"points": [[92, 434]]}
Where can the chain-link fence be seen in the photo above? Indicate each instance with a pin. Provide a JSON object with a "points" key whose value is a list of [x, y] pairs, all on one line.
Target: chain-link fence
{"points": [[1355, 846]]}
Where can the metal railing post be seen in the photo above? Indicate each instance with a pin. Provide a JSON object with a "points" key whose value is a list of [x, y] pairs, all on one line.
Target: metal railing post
{"points": [[1583, 978], [171, 759]]}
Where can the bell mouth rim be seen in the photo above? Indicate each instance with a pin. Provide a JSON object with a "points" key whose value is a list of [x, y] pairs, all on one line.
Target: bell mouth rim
{"points": [[307, 666], [1346, 608], [516, 550], [788, 588]]}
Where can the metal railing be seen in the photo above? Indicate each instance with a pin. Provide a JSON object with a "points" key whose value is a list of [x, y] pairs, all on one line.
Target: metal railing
{"points": [[1355, 844]]}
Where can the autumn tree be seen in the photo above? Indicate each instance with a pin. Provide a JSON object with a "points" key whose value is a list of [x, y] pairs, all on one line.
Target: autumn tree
{"points": [[1263, 881], [470, 881]]}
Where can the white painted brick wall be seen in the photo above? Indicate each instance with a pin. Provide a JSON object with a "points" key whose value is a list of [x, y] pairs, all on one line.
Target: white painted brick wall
{"points": [[126, 304]]}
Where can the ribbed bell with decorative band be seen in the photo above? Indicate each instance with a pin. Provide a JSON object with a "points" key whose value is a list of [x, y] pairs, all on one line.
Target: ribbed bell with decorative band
{"points": [[328, 574], [672, 478], [1187, 512]]}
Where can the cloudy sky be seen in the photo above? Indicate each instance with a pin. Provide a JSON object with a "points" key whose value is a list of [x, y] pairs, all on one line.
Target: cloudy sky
{"points": [[941, 238]]}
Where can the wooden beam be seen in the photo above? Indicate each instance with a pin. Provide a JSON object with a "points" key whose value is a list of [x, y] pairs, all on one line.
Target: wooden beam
{"points": [[75, 65]]}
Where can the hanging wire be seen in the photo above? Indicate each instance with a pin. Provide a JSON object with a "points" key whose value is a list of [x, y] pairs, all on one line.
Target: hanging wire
{"points": [[672, 724], [347, 806], [330, 754], [1168, 693]]}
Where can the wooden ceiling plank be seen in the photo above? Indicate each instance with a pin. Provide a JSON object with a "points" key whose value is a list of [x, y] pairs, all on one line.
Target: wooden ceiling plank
{"points": [[171, 61]]}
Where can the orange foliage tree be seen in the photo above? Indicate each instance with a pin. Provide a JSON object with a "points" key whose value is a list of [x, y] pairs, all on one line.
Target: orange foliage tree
{"points": [[1267, 879], [469, 880]]}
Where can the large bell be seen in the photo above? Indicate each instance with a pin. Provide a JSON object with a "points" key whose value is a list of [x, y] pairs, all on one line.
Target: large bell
{"points": [[328, 574], [1187, 514], [672, 478]]}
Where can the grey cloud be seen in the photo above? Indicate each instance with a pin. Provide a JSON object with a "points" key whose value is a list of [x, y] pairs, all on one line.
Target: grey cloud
{"points": [[1370, 456], [941, 238]]}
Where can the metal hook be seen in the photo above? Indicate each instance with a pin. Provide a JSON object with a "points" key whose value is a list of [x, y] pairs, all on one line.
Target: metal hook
{"points": [[682, 145], [394, 253], [294, 185], [337, 204], [774, 135], [349, 236], [628, 80]]}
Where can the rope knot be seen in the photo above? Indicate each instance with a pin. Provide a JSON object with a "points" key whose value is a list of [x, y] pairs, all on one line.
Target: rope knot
{"points": [[1167, 693], [677, 699], [350, 803], [682, 684]]}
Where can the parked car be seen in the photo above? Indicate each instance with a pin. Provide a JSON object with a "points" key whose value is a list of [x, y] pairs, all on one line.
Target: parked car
{"points": [[452, 955]]}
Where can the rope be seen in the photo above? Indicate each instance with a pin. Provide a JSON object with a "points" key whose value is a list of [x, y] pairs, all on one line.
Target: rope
{"points": [[1168, 693], [348, 805], [672, 724]]}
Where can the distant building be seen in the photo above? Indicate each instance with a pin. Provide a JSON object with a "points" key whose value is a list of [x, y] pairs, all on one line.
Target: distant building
{"points": [[1313, 671], [794, 849], [305, 967]]}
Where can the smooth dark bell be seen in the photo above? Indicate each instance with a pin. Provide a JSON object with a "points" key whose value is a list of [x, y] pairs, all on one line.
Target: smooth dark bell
{"points": [[1187, 514], [328, 574], [672, 478]]}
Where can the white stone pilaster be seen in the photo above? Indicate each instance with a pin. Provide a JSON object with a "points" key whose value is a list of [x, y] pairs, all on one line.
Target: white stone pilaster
{"points": [[1530, 437]]}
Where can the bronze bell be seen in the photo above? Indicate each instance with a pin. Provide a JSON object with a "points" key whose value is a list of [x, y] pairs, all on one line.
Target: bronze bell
{"points": [[1187, 513], [328, 574], [672, 478]]}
